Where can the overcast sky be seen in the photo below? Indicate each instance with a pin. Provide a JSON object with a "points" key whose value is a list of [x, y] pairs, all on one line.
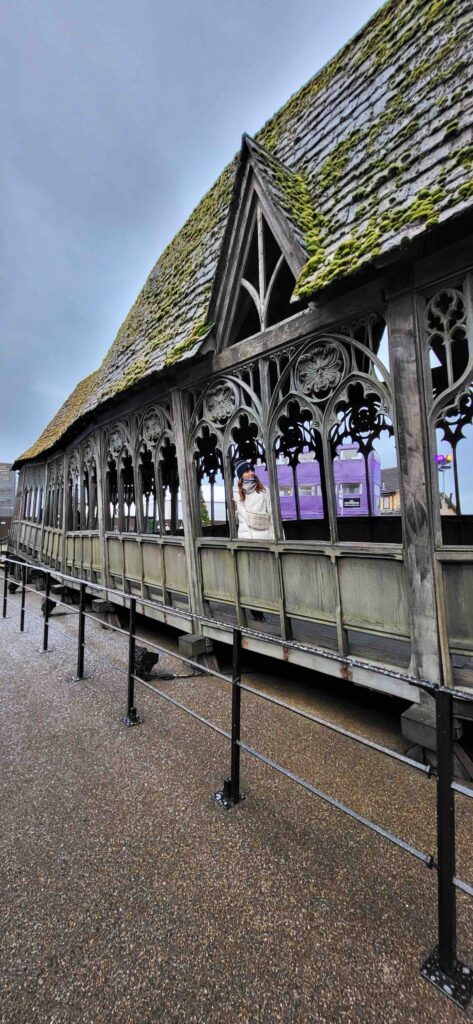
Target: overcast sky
{"points": [[117, 117]]}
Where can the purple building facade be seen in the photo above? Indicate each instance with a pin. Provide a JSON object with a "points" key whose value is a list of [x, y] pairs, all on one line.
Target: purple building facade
{"points": [[350, 479]]}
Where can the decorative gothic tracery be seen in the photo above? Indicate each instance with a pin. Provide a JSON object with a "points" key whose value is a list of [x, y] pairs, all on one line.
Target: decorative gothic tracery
{"points": [[210, 479], [327, 432], [82, 487], [346, 389], [447, 336], [147, 486], [359, 419], [54, 494], [225, 424], [158, 490], [450, 338], [266, 283], [74, 491], [300, 465]]}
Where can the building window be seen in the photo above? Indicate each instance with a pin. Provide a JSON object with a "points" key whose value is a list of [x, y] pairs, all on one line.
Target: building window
{"points": [[351, 488], [350, 453]]}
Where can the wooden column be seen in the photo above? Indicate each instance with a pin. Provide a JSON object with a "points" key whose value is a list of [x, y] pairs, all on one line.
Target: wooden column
{"points": [[99, 448], [65, 501], [45, 491], [186, 483], [414, 470]]}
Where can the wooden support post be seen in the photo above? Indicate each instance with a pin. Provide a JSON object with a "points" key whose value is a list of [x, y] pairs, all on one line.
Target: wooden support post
{"points": [[414, 471], [186, 482]]}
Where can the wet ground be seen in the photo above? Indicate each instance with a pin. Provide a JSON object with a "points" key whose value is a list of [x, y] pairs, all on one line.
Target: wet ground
{"points": [[129, 896]]}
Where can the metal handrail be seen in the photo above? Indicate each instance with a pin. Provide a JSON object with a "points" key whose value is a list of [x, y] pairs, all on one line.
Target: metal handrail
{"points": [[295, 645]]}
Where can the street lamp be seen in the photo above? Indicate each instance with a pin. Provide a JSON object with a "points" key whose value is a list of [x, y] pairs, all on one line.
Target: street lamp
{"points": [[443, 462]]}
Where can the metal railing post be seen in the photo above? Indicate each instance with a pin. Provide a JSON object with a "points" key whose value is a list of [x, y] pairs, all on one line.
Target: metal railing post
{"points": [[442, 967], [230, 795], [236, 717], [81, 633], [46, 612], [131, 717], [447, 909], [23, 598], [5, 588]]}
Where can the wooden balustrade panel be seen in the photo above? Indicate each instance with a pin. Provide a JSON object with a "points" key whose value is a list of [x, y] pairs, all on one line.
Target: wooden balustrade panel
{"points": [[458, 585], [175, 566], [153, 559], [374, 595], [78, 542], [56, 545], [47, 542], [115, 556], [132, 556], [258, 579], [309, 586], [96, 565], [87, 551], [218, 578], [69, 550]]}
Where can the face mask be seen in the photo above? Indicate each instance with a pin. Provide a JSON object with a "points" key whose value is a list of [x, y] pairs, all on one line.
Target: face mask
{"points": [[249, 485]]}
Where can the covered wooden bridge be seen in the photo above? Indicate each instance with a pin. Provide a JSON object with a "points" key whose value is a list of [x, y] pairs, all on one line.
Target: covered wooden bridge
{"points": [[313, 316]]}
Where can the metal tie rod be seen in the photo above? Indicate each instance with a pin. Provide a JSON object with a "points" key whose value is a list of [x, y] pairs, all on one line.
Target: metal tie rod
{"points": [[463, 886], [421, 684], [267, 638], [426, 858], [462, 789], [427, 769], [182, 707]]}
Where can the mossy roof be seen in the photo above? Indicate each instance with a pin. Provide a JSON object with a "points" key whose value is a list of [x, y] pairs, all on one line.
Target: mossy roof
{"points": [[377, 148]]}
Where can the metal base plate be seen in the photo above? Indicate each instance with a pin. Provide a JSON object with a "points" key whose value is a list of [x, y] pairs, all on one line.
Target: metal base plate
{"points": [[458, 985], [223, 800], [132, 719]]}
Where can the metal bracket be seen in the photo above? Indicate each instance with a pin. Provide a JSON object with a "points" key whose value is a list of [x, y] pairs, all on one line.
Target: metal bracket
{"points": [[458, 985]]}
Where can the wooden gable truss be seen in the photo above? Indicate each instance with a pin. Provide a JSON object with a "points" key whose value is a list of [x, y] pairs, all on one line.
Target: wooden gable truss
{"points": [[260, 260]]}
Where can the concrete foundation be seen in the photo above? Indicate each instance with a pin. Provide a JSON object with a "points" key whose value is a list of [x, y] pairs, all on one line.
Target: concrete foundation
{"points": [[419, 731]]}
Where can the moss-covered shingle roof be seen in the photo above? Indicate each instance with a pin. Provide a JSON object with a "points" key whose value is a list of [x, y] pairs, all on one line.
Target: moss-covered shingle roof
{"points": [[377, 148]]}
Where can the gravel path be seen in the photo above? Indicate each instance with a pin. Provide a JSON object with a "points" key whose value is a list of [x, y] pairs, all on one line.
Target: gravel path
{"points": [[129, 896]]}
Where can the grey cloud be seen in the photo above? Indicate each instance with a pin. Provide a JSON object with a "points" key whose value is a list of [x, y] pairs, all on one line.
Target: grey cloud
{"points": [[116, 118]]}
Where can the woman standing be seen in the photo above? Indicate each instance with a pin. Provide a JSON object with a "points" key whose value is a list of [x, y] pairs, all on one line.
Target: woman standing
{"points": [[253, 505]]}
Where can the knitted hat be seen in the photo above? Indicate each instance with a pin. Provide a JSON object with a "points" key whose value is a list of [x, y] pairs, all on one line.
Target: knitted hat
{"points": [[241, 466]]}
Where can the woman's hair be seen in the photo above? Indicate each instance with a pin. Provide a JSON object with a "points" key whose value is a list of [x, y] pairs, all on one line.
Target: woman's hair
{"points": [[241, 491]]}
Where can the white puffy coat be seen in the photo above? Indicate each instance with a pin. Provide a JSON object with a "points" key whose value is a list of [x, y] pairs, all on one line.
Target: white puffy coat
{"points": [[254, 502]]}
